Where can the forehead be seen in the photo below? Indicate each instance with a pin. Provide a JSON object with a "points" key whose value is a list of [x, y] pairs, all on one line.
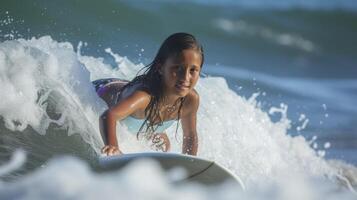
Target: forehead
{"points": [[188, 56]]}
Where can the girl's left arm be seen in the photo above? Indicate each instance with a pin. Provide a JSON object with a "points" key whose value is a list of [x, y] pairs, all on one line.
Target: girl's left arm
{"points": [[188, 122]]}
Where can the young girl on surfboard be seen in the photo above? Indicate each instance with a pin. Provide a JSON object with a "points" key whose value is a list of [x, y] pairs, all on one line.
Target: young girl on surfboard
{"points": [[154, 100]]}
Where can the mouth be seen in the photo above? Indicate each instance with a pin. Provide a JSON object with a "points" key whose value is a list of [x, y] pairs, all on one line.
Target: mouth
{"points": [[182, 86]]}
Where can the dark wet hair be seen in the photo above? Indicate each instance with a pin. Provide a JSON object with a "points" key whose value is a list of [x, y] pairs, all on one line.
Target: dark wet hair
{"points": [[152, 81]]}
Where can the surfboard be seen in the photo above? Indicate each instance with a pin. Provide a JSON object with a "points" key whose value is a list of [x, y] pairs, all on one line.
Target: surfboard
{"points": [[197, 169]]}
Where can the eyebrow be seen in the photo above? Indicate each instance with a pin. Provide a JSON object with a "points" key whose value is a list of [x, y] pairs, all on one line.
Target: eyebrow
{"points": [[178, 64]]}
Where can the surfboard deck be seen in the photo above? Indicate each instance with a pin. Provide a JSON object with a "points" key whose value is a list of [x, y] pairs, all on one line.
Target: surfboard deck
{"points": [[197, 169]]}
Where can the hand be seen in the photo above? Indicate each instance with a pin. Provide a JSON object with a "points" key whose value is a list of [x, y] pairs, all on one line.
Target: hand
{"points": [[160, 142], [110, 150]]}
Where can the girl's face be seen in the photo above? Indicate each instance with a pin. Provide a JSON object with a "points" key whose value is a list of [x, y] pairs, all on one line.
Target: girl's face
{"points": [[180, 73]]}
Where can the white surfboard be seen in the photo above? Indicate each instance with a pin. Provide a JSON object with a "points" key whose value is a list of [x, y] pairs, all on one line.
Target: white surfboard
{"points": [[197, 169]]}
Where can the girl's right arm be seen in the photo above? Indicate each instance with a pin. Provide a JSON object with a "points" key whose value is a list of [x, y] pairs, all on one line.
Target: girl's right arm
{"points": [[137, 101]]}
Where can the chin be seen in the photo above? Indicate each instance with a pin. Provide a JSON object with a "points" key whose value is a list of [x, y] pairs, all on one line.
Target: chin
{"points": [[182, 93]]}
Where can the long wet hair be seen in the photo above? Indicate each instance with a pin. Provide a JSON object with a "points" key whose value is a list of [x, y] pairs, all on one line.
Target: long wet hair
{"points": [[151, 79]]}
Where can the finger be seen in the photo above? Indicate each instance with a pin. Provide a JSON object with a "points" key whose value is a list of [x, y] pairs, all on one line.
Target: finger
{"points": [[116, 151], [168, 146], [111, 151], [105, 149]]}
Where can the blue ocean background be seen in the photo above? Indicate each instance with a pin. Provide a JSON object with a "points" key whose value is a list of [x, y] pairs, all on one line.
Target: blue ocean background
{"points": [[294, 53]]}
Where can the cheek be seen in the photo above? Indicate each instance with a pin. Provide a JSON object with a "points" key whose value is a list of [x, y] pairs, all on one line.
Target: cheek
{"points": [[173, 74], [195, 80], [170, 77], [196, 76]]}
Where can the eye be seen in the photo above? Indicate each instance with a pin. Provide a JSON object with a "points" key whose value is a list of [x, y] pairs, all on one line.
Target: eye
{"points": [[194, 70], [180, 68]]}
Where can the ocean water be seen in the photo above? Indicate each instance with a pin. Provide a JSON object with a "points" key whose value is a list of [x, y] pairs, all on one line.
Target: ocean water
{"points": [[277, 96]]}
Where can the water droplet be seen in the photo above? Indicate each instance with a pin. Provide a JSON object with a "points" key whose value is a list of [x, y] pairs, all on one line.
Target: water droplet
{"points": [[321, 153], [314, 145], [327, 145]]}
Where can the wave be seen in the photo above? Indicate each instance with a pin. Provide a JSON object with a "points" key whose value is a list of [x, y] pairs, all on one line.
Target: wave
{"points": [[278, 32], [283, 5], [47, 98]]}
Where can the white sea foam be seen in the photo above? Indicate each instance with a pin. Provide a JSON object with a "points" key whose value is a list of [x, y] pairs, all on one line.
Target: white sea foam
{"points": [[232, 130], [34, 71], [17, 160], [70, 178]]}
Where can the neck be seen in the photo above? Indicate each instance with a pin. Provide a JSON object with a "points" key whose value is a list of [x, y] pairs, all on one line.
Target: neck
{"points": [[170, 99]]}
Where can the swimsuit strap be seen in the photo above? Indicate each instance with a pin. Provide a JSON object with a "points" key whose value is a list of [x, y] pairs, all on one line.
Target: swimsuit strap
{"points": [[134, 124]]}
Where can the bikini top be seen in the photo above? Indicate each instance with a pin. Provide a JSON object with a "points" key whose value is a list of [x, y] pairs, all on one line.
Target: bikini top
{"points": [[133, 124]]}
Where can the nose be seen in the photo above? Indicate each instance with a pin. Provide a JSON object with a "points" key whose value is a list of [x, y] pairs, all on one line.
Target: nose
{"points": [[184, 75]]}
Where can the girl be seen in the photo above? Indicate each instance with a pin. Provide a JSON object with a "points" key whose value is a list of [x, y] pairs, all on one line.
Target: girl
{"points": [[152, 101]]}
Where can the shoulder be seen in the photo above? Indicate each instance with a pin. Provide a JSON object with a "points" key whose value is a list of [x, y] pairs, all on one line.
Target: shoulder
{"points": [[137, 98], [192, 101], [141, 94], [192, 97], [135, 91]]}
